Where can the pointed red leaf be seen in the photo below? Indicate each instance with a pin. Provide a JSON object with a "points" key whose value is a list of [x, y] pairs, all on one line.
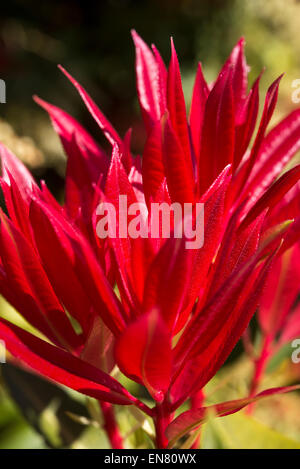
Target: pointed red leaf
{"points": [[149, 82], [191, 419], [61, 366], [281, 292], [273, 195], [237, 62], [236, 248], [277, 149], [69, 130], [71, 266], [168, 279], [201, 368], [117, 185], [200, 94], [246, 124], [176, 104], [25, 274], [149, 361], [214, 223], [178, 167], [152, 163], [208, 320], [12, 165], [217, 131], [291, 328], [269, 106], [99, 117]]}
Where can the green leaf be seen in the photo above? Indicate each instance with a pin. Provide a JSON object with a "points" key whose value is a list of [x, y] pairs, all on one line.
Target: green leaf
{"points": [[91, 438], [277, 359], [240, 431], [19, 435], [44, 405]]}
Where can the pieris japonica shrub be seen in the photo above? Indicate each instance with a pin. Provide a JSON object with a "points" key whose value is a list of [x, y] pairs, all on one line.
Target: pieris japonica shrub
{"points": [[166, 316]]}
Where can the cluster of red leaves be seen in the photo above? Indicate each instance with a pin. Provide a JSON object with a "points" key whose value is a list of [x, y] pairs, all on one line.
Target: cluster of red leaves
{"points": [[279, 309], [178, 313]]}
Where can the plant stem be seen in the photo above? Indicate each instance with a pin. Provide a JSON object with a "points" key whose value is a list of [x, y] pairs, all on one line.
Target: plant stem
{"points": [[161, 420], [144, 408], [197, 402], [260, 366], [110, 425]]}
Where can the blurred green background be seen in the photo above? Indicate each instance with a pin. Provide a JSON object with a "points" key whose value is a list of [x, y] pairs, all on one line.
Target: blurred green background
{"points": [[92, 40]]}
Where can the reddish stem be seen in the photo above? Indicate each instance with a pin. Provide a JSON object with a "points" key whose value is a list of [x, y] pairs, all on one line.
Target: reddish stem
{"points": [[248, 346], [161, 420], [110, 425], [260, 366], [197, 402], [143, 407]]}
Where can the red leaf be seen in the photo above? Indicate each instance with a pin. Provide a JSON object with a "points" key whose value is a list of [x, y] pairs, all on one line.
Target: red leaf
{"points": [[178, 167], [149, 82], [25, 274], [99, 117], [18, 186], [208, 320], [69, 130], [246, 124], [236, 248], [61, 366], [17, 205], [87, 163], [152, 163], [214, 224], [291, 328], [168, 279], [149, 361], [281, 292], [269, 106], [191, 419], [163, 78], [277, 149], [273, 195], [176, 104], [117, 184], [217, 131], [201, 368], [12, 165], [200, 94], [237, 62], [71, 266]]}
